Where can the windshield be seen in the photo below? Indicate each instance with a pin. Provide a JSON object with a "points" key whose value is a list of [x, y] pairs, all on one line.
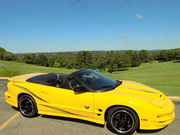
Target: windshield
{"points": [[95, 80]]}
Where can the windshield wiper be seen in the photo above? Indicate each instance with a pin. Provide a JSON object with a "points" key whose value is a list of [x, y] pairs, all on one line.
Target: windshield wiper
{"points": [[118, 83]]}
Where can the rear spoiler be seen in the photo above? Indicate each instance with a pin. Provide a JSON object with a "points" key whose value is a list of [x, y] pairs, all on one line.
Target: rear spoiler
{"points": [[5, 78], [10, 79]]}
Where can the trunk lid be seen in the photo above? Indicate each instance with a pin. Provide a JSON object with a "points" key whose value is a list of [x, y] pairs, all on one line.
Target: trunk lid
{"points": [[23, 78]]}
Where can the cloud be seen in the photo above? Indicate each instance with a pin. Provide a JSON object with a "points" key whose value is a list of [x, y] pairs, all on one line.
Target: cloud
{"points": [[126, 36], [139, 16]]}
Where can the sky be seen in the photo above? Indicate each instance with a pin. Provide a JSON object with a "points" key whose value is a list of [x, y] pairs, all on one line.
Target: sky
{"points": [[73, 25]]}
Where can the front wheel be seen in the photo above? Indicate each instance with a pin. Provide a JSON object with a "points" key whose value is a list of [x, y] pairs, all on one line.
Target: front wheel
{"points": [[27, 106], [122, 120]]}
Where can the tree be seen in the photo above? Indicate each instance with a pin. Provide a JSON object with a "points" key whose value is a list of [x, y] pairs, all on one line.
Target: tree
{"points": [[112, 60], [168, 55], [115, 61], [41, 60], [51, 60], [9, 56], [4, 55], [58, 60], [2, 52], [69, 62], [163, 56], [2, 49], [144, 56], [100, 62], [173, 54], [177, 54], [135, 59], [84, 60], [125, 61], [28, 58]]}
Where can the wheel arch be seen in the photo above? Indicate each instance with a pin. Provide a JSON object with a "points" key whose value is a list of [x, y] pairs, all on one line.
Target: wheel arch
{"points": [[110, 107], [21, 94]]}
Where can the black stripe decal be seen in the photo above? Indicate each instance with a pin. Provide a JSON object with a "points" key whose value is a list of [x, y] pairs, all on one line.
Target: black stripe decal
{"points": [[30, 93], [60, 110]]}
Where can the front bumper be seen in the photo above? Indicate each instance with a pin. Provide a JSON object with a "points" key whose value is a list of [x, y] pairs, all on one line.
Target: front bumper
{"points": [[159, 119], [159, 123]]}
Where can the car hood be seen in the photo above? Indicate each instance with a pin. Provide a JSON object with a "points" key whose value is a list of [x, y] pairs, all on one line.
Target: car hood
{"points": [[141, 91]]}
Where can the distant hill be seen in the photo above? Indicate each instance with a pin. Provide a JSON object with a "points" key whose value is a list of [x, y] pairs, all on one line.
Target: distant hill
{"points": [[71, 53]]}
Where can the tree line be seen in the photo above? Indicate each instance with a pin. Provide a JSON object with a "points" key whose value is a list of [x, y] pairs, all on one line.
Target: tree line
{"points": [[109, 60]]}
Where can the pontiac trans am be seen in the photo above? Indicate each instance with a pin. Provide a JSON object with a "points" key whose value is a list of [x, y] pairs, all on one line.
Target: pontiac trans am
{"points": [[124, 106]]}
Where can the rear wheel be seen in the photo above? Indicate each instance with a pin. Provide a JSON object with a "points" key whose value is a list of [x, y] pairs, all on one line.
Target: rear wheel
{"points": [[27, 106], [122, 120]]}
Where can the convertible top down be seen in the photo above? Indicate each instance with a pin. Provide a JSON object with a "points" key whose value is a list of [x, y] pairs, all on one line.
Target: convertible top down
{"points": [[86, 94]]}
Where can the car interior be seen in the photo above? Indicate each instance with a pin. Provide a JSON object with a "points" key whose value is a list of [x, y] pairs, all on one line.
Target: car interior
{"points": [[62, 81], [55, 80]]}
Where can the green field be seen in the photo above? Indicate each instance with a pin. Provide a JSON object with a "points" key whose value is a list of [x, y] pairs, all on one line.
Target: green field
{"points": [[163, 76]]}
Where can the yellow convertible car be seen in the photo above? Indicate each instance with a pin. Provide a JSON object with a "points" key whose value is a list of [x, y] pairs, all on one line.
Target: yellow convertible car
{"points": [[124, 106]]}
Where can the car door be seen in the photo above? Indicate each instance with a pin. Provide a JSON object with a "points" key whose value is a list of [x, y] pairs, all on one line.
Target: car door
{"points": [[67, 102]]}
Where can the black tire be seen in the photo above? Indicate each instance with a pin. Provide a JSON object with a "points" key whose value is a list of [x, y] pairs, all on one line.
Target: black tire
{"points": [[27, 106], [122, 121]]}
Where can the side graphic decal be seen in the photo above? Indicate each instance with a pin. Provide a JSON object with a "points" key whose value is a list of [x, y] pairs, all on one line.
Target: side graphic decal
{"points": [[30, 93], [60, 110]]}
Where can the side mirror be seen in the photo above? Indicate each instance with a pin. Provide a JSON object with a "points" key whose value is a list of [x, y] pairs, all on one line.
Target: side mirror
{"points": [[80, 88]]}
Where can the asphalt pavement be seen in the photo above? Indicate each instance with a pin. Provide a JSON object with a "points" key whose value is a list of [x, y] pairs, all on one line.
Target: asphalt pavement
{"points": [[13, 123]]}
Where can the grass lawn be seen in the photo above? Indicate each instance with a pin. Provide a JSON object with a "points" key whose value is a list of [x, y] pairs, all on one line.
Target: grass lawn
{"points": [[162, 76]]}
